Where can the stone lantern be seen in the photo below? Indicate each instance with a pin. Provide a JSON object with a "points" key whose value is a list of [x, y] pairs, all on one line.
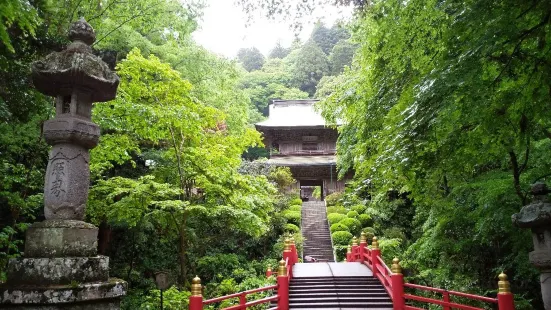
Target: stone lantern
{"points": [[60, 267], [537, 217]]}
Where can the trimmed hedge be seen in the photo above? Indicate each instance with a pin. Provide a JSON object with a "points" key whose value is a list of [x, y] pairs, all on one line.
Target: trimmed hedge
{"points": [[295, 208], [333, 199], [353, 225], [352, 214], [296, 201], [359, 208], [337, 209], [292, 228], [334, 218], [341, 237], [369, 233], [338, 227], [365, 219], [292, 217]]}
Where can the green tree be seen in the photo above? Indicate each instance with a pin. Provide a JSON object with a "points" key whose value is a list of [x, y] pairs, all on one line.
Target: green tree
{"points": [[341, 56], [251, 58], [309, 65], [279, 51]]}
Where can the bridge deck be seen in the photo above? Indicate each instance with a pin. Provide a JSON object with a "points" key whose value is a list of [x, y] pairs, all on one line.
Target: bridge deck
{"points": [[331, 270]]}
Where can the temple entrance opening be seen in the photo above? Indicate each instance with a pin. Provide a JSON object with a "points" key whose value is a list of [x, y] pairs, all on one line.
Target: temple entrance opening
{"points": [[311, 190]]}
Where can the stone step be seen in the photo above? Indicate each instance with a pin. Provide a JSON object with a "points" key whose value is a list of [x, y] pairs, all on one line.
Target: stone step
{"points": [[340, 305]]}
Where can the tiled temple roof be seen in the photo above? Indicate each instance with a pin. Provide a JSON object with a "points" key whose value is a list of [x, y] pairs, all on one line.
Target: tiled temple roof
{"points": [[293, 113]]}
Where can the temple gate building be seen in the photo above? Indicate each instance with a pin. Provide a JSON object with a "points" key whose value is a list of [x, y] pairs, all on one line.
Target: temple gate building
{"points": [[297, 137]]}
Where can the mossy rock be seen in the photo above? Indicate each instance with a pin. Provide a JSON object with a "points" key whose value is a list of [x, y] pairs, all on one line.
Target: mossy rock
{"points": [[334, 218], [339, 227]]}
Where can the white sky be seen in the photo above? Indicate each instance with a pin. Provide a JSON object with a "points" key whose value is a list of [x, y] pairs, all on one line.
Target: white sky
{"points": [[223, 29]]}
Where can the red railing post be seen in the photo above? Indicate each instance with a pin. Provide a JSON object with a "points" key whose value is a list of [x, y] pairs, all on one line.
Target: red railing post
{"points": [[288, 255], [354, 249], [294, 251], [397, 284], [446, 298], [269, 271], [243, 300], [282, 287], [196, 298], [505, 300], [349, 254], [363, 246], [375, 253]]}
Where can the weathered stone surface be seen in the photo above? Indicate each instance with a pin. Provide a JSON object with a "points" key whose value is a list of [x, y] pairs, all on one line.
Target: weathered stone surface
{"points": [[61, 72], [57, 270], [63, 295], [541, 259], [59, 238], [71, 130], [67, 182], [533, 215]]}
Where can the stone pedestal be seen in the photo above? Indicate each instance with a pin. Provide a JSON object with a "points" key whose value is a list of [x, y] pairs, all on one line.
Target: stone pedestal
{"points": [[537, 217], [60, 268]]}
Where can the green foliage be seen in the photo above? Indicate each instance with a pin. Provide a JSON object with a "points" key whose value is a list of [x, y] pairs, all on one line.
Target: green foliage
{"points": [[282, 177], [341, 56], [365, 219], [327, 38], [20, 15], [333, 199], [352, 214], [354, 226], [296, 201], [218, 265], [292, 217], [292, 228], [334, 218], [341, 238], [337, 209], [173, 299], [338, 227], [279, 51], [251, 58], [309, 65], [394, 233], [295, 208], [358, 208], [370, 232]]}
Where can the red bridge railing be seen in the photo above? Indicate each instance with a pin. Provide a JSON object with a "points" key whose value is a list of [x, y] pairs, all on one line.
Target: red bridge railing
{"points": [[393, 282], [284, 274]]}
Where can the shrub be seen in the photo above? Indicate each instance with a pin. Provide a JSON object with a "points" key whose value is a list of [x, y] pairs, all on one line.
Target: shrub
{"points": [[365, 219], [352, 214], [292, 228], [292, 217], [341, 237], [295, 208], [358, 208], [338, 227], [394, 233], [333, 199], [369, 233], [353, 225], [296, 201], [340, 252], [210, 266], [334, 218], [337, 209]]}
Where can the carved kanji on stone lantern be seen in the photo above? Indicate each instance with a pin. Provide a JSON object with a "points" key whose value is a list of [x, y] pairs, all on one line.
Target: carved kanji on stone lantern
{"points": [[60, 267], [537, 217]]}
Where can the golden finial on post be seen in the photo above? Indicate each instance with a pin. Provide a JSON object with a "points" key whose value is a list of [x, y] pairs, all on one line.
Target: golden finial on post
{"points": [[287, 245], [292, 240], [363, 237], [348, 249], [504, 287], [282, 269], [375, 244], [396, 268], [354, 241], [196, 286], [269, 269]]}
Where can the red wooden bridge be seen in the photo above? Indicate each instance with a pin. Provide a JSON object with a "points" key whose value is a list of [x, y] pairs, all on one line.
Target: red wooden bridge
{"points": [[363, 282]]}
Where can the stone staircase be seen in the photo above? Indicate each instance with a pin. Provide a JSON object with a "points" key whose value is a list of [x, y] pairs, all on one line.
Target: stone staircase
{"points": [[336, 286], [315, 230]]}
